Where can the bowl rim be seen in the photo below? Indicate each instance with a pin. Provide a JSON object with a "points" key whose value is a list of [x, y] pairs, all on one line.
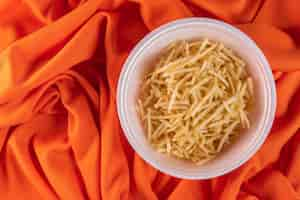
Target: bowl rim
{"points": [[270, 83]]}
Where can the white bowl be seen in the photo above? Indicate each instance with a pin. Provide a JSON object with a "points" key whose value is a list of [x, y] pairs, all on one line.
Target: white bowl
{"points": [[142, 57]]}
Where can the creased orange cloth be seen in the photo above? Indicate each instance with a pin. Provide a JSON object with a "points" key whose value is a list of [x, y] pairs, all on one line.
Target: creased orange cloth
{"points": [[60, 137]]}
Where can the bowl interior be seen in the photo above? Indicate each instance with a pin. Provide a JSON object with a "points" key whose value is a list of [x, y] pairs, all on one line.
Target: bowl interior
{"points": [[141, 60]]}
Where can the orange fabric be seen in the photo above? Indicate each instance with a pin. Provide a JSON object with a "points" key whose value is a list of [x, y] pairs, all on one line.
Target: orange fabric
{"points": [[60, 136]]}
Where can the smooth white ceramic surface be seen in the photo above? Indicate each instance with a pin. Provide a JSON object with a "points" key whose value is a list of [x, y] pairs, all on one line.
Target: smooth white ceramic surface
{"points": [[141, 59]]}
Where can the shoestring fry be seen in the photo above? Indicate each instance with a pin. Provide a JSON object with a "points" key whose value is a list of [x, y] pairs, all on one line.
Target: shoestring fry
{"points": [[196, 100]]}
